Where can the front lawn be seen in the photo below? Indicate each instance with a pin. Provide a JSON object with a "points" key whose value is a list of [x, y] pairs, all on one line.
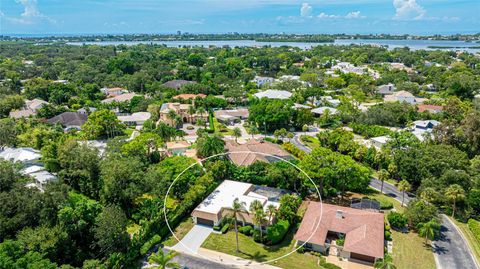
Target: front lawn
{"points": [[249, 249], [409, 251], [182, 229]]}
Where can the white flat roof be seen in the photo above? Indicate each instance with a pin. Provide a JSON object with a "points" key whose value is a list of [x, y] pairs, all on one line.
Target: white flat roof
{"points": [[274, 94], [224, 195]]}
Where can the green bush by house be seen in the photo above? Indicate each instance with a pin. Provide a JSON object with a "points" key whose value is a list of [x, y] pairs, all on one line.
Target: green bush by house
{"points": [[277, 231]]}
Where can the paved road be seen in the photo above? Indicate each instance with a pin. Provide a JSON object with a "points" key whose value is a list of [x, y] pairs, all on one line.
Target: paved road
{"points": [[300, 145], [193, 239], [451, 250]]}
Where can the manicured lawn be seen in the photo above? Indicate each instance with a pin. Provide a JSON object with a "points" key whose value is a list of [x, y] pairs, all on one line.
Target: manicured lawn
{"points": [[250, 250], [472, 241], [410, 252], [310, 142], [182, 229]]}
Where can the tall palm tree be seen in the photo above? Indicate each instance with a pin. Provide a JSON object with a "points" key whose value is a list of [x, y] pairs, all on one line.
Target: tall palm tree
{"points": [[200, 111], [191, 112], [171, 115], [237, 133], [258, 214], [237, 207], [404, 186], [382, 176], [305, 129], [455, 193], [271, 212], [163, 260], [253, 130], [428, 230], [385, 263], [209, 145]]}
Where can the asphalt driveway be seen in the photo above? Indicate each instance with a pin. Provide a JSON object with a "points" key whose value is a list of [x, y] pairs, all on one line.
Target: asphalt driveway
{"points": [[193, 239]]}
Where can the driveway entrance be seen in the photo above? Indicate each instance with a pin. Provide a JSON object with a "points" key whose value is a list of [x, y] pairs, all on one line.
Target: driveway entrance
{"points": [[192, 241]]}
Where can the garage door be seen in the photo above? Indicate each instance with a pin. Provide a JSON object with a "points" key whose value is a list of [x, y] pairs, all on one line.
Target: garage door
{"points": [[205, 221], [362, 257]]}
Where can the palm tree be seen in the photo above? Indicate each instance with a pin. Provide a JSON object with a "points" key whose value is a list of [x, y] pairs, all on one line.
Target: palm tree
{"points": [[385, 263], [428, 194], [237, 132], [163, 260], [382, 176], [455, 193], [191, 112], [404, 186], [253, 130], [271, 212], [428, 230], [201, 110], [172, 115], [237, 207], [257, 208], [209, 145]]}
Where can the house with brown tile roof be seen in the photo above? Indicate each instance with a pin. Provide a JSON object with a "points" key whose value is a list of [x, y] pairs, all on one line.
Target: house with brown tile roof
{"points": [[253, 151], [187, 96], [362, 231], [430, 108], [120, 98]]}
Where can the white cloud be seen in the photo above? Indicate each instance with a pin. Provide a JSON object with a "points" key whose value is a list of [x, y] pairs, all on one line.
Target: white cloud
{"points": [[30, 13], [328, 16], [408, 10], [354, 15], [306, 10]]}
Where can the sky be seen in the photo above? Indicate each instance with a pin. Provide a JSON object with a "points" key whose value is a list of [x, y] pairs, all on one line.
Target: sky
{"points": [[417, 17]]}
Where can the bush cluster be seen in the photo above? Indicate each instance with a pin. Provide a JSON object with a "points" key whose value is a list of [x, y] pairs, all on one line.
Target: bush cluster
{"points": [[397, 220], [474, 226], [277, 231]]}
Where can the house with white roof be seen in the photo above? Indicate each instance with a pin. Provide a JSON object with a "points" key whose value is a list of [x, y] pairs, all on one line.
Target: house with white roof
{"points": [[260, 81], [403, 96], [274, 94], [322, 110], [379, 141], [423, 128], [386, 89], [218, 204], [136, 119]]}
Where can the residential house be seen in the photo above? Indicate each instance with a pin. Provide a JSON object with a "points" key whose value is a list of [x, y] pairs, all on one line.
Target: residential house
{"points": [[126, 97], [182, 110], [422, 129], [112, 92], [430, 108], [386, 89], [135, 119], [322, 110], [86, 110], [231, 116], [260, 81], [29, 109], [326, 101], [362, 232], [177, 83], [69, 120], [273, 94], [188, 96], [219, 203], [300, 106], [403, 96], [30, 158], [253, 151]]}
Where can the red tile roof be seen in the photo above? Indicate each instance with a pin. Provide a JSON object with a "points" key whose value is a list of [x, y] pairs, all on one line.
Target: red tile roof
{"points": [[431, 108], [254, 150], [364, 230], [187, 96]]}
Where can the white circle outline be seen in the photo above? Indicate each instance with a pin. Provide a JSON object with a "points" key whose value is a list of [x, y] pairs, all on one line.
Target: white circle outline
{"points": [[250, 261]]}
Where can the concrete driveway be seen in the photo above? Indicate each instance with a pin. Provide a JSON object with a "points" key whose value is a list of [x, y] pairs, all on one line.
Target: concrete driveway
{"points": [[193, 239]]}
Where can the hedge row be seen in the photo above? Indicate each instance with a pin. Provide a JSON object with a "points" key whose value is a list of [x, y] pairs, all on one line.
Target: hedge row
{"points": [[474, 226]]}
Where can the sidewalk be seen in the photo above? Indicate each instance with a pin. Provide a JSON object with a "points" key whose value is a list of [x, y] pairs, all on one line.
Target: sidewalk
{"points": [[229, 259]]}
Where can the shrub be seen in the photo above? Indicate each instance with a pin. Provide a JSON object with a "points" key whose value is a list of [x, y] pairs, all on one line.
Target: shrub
{"points": [[474, 226], [385, 205], [388, 235], [225, 228], [277, 231], [149, 244], [216, 228], [397, 220], [257, 237], [369, 131], [246, 230], [190, 127], [293, 150], [301, 250]]}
